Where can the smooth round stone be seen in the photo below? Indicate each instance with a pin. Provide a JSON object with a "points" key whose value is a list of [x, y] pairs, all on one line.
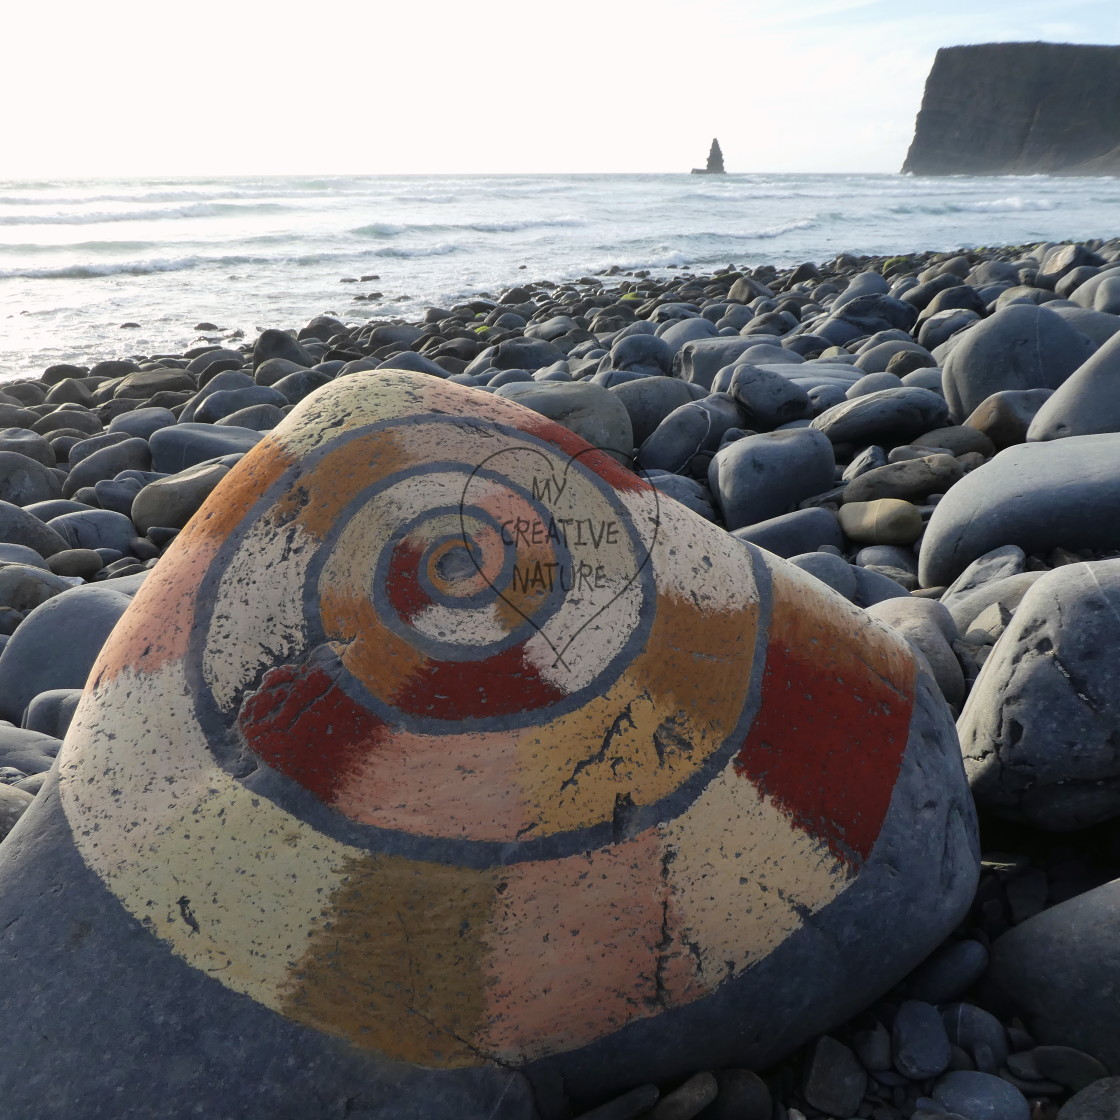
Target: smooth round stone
{"points": [[788, 534], [56, 645], [949, 972], [1006, 417], [911, 479], [1038, 732], [131, 454], [24, 480], [21, 554], [28, 751], [1019, 347], [81, 562], [873, 383], [51, 712], [971, 1027], [13, 803], [293, 387], [517, 353], [1086, 402], [19, 526], [95, 528], [1073, 1069], [919, 1042], [929, 626], [72, 418], [701, 359], [1059, 971], [258, 417], [980, 1096], [174, 500], [592, 412], [186, 445], [883, 521], [678, 334], [25, 442], [691, 430], [87, 447], [24, 586], [220, 404], [833, 571], [643, 353], [743, 1095], [231, 380], [834, 1080], [1037, 496], [649, 400], [958, 439], [889, 416], [688, 491], [406, 359], [761, 476], [117, 494], [276, 751], [768, 399], [280, 344], [1099, 1101], [688, 1100]]}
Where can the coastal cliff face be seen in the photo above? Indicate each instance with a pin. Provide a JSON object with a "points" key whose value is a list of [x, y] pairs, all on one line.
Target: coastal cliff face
{"points": [[1019, 108]]}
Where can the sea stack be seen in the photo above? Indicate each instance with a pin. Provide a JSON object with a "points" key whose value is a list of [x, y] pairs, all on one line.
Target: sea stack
{"points": [[1019, 109], [715, 162]]}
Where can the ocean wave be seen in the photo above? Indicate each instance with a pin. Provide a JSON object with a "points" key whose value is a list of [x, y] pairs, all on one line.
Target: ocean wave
{"points": [[440, 250], [99, 217], [390, 229], [118, 268], [1012, 205]]}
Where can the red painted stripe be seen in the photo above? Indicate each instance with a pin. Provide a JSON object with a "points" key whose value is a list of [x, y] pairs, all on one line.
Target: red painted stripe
{"points": [[828, 740], [301, 723], [579, 450], [505, 684], [402, 587]]}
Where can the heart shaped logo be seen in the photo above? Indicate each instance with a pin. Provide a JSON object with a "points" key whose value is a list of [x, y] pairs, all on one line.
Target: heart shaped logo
{"points": [[595, 548]]}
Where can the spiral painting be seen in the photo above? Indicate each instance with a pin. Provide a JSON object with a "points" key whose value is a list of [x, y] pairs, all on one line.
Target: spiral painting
{"points": [[440, 732]]}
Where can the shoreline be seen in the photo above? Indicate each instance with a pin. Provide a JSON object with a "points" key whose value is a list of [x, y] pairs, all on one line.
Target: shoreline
{"points": [[913, 372]]}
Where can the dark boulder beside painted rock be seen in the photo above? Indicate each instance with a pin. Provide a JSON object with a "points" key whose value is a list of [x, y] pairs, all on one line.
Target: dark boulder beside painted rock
{"points": [[439, 763], [1039, 496], [1060, 971], [1039, 731]]}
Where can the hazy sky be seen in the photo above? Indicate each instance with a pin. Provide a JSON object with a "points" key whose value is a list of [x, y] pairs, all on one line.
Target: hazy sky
{"points": [[123, 87]]}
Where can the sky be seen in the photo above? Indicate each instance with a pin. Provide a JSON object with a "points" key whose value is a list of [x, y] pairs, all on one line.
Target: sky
{"points": [[236, 87]]}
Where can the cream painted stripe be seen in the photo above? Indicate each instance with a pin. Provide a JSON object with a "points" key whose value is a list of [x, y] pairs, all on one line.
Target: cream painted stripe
{"points": [[258, 609], [743, 876], [158, 822]]}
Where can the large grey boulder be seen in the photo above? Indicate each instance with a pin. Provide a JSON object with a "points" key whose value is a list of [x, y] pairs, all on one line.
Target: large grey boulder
{"points": [[186, 445], [1019, 347], [1038, 496], [1038, 733], [649, 400], [24, 480], [890, 417]]}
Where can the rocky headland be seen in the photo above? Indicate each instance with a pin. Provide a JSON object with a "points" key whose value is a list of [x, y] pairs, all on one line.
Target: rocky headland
{"points": [[929, 443], [1019, 109]]}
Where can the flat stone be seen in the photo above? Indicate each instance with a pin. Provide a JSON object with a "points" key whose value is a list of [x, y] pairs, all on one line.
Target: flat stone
{"points": [[95, 528], [243, 774], [186, 445], [649, 400], [174, 500], [24, 480], [930, 628], [1071, 1068], [911, 480], [1036, 496], [890, 416], [971, 1027], [693, 429], [688, 1100], [788, 534], [743, 1095], [19, 526]]}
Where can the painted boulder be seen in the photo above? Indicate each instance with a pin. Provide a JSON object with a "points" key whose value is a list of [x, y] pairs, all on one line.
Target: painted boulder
{"points": [[441, 769]]}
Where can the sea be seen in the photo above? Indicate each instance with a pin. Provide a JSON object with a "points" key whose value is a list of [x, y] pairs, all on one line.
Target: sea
{"points": [[79, 259]]}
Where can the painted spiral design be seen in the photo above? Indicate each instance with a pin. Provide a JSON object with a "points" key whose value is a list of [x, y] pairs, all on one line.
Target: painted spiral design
{"points": [[461, 743]]}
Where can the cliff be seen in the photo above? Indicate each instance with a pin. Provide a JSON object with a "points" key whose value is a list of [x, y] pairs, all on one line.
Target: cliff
{"points": [[1019, 108]]}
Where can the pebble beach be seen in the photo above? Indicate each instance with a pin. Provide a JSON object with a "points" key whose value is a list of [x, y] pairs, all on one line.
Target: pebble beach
{"points": [[933, 435]]}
